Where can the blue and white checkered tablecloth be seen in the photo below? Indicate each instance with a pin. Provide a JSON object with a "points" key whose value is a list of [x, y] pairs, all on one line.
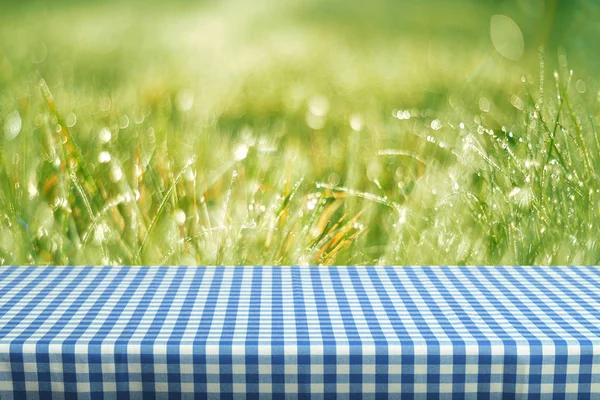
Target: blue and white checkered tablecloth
{"points": [[347, 332]]}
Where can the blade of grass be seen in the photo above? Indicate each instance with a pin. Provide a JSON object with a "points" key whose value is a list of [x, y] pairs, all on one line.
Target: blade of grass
{"points": [[367, 196], [161, 209]]}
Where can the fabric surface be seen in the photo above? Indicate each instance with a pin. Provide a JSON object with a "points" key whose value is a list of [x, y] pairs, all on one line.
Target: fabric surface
{"points": [[348, 332]]}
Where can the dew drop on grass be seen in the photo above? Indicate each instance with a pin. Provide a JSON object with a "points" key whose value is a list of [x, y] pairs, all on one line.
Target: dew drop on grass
{"points": [[123, 121], [240, 152], [38, 120], [60, 203], [484, 104], [356, 122], [100, 234], [436, 124], [116, 173], [12, 125], [179, 217], [402, 114], [105, 104], [517, 102], [318, 106], [104, 157], [507, 37], [189, 175], [104, 136], [71, 120], [580, 86], [32, 191]]}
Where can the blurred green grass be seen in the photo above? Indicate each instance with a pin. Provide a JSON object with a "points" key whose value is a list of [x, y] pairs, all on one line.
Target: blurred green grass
{"points": [[314, 132]]}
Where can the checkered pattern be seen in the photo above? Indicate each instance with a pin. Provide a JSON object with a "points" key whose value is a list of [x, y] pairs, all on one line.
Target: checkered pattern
{"points": [[196, 332]]}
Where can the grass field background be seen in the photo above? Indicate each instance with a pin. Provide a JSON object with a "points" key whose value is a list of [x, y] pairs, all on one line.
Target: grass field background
{"points": [[300, 132]]}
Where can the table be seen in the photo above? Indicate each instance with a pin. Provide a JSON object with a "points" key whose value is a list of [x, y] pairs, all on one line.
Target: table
{"points": [[201, 332]]}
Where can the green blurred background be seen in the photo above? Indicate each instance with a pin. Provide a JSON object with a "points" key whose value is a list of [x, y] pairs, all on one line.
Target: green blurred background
{"points": [[325, 132]]}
